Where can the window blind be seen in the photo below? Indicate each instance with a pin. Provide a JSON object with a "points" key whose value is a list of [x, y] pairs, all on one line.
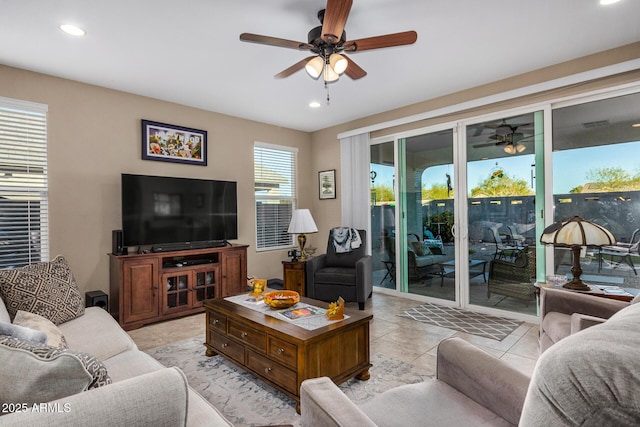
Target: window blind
{"points": [[275, 194], [24, 213]]}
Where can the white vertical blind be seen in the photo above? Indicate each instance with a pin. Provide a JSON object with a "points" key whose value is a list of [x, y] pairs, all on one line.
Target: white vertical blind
{"points": [[24, 213], [275, 194]]}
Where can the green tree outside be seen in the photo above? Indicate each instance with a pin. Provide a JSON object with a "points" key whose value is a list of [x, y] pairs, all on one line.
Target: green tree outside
{"points": [[436, 192], [383, 193], [501, 184], [608, 180]]}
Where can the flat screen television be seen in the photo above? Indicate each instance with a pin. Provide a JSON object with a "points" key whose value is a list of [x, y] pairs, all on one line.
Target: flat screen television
{"points": [[160, 210]]}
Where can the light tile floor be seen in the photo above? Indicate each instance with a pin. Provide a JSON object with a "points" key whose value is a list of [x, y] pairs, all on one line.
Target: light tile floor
{"points": [[394, 336]]}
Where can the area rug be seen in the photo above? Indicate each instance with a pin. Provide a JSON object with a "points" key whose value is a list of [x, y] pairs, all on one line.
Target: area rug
{"points": [[496, 328], [247, 401]]}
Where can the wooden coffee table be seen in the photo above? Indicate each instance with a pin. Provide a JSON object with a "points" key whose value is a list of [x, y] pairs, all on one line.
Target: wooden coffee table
{"points": [[283, 354]]}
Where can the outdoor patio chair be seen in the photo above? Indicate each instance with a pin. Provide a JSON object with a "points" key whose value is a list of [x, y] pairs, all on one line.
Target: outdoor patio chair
{"points": [[515, 236], [514, 279], [621, 251], [503, 250]]}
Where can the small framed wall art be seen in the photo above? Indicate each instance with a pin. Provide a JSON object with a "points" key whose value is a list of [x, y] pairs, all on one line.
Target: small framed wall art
{"points": [[327, 184], [170, 143]]}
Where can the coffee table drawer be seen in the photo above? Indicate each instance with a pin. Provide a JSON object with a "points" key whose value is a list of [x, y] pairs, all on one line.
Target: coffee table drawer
{"points": [[228, 347], [218, 322], [283, 351], [248, 334], [272, 371]]}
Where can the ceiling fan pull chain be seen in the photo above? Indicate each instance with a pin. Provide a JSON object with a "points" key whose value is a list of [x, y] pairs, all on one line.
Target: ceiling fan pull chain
{"points": [[326, 86]]}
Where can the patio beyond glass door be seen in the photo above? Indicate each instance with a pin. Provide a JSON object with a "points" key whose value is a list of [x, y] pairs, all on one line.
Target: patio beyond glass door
{"points": [[501, 205], [383, 215], [428, 195]]}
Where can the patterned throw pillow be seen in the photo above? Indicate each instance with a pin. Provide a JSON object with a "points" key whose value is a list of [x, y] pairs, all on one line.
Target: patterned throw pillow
{"points": [[93, 366], [46, 288]]}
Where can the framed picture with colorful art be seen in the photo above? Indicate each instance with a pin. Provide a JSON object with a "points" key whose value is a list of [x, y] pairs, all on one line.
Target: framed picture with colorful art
{"points": [[171, 143]]}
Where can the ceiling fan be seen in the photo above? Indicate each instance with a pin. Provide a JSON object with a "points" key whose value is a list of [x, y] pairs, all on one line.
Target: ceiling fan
{"points": [[328, 41], [508, 135]]}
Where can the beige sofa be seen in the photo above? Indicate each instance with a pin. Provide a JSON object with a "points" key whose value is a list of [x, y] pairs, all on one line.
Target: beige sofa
{"points": [[143, 392], [590, 378]]}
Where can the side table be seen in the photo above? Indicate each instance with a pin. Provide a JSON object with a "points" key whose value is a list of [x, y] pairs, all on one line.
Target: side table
{"points": [[294, 276]]}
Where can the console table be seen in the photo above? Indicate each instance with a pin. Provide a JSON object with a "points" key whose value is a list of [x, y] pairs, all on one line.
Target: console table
{"points": [[152, 287], [283, 354]]}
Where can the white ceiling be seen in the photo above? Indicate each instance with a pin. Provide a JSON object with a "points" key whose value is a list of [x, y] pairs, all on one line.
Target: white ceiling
{"points": [[189, 51]]}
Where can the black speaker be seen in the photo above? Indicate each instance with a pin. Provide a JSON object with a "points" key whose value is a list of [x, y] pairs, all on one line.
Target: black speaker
{"points": [[96, 299], [116, 242]]}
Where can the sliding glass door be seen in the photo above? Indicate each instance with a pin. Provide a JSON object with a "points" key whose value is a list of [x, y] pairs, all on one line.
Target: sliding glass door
{"points": [[412, 215], [454, 208], [428, 192], [383, 214], [596, 175], [501, 211]]}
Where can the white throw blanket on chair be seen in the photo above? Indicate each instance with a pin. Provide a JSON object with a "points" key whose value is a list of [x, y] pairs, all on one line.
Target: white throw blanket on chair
{"points": [[345, 239]]}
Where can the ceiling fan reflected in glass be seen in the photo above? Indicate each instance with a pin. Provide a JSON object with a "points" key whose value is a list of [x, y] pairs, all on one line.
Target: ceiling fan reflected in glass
{"points": [[328, 43], [507, 134]]}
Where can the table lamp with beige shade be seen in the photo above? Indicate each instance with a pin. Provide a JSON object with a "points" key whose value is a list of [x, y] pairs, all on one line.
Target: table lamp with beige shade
{"points": [[301, 223], [576, 233]]}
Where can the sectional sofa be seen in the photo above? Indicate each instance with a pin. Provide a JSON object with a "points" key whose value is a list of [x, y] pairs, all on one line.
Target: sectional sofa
{"points": [[45, 386]]}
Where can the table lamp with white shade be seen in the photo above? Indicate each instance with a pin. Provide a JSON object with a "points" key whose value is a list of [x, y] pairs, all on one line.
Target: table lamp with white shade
{"points": [[301, 223], [576, 233]]}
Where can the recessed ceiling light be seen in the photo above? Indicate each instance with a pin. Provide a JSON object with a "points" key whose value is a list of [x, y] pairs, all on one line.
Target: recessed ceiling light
{"points": [[608, 2], [72, 29], [314, 104], [636, 125]]}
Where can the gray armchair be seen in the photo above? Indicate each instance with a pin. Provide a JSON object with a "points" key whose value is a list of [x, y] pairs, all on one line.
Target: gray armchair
{"points": [[473, 388], [588, 379], [563, 313], [348, 275]]}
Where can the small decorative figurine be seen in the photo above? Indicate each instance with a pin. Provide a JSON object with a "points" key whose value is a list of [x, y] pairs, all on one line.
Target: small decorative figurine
{"points": [[259, 285], [336, 310]]}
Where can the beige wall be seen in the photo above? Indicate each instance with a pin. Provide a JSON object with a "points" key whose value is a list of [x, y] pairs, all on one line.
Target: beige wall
{"points": [[95, 135], [326, 146]]}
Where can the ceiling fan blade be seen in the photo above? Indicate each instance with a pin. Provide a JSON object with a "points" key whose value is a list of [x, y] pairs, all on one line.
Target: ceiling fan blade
{"points": [[335, 18], [378, 42], [273, 41], [353, 70], [295, 67], [487, 144]]}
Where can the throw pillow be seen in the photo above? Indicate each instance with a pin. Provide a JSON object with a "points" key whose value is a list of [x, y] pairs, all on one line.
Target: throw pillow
{"points": [[47, 288], [54, 336], [418, 248], [22, 333], [44, 363]]}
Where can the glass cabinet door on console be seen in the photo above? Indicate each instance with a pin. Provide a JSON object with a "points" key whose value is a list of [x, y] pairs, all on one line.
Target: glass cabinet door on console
{"points": [[206, 282], [188, 288], [177, 291]]}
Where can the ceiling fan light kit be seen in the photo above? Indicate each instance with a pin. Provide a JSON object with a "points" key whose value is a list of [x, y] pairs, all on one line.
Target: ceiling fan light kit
{"points": [[328, 41], [314, 67], [338, 63]]}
